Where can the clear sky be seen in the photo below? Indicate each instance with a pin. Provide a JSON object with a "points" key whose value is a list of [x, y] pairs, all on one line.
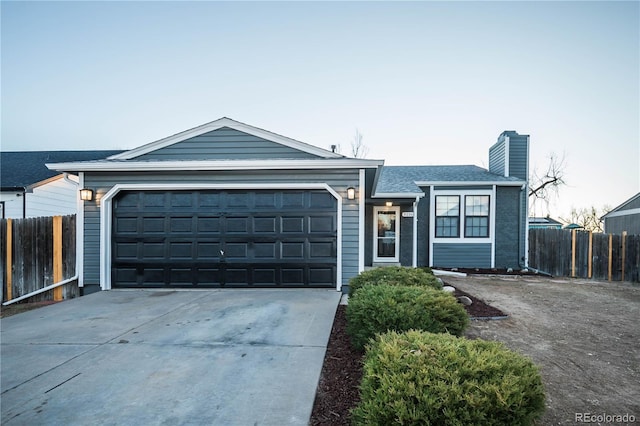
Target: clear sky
{"points": [[423, 82]]}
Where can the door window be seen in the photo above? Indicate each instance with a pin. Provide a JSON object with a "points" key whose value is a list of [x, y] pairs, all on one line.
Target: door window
{"points": [[386, 234]]}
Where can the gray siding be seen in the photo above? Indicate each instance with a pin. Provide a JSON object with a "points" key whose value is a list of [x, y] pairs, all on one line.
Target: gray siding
{"points": [[423, 228], [518, 156], [497, 157], [619, 224], [509, 238], [452, 255], [339, 180], [225, 144], [406, 236], [515, 162]]}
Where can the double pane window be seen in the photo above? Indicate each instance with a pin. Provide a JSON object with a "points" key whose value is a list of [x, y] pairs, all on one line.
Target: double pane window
{"points": [[447, 216], [476, 220]]}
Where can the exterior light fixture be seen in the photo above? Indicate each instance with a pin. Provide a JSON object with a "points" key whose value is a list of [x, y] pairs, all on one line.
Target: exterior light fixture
{"points": [[86, 194], [351, 193], [389, 203]]}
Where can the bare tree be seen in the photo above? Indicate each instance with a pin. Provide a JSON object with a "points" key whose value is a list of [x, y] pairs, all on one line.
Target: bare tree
{"points": [[358, 148], [588, 218], [545, 186]]}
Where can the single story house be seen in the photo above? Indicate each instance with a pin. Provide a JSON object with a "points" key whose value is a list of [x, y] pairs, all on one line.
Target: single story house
{"points": [[29, 189], [547, 222], [625, 217], [227, 204]]}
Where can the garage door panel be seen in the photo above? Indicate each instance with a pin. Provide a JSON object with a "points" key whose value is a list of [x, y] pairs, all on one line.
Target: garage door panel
{"points": [[291, 224], [181, 224], [321, 224], [208, 225], [126, 225], [321, 249], [224, 238], [264, 225], [153, 225], [292, 250]]}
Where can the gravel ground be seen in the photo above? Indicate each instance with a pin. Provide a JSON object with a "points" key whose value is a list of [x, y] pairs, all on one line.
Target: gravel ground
{"points": [[584, 335]]}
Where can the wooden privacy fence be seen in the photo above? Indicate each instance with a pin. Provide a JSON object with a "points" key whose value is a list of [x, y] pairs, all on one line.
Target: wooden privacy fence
{"points": [[36, 253], [582, 254]]}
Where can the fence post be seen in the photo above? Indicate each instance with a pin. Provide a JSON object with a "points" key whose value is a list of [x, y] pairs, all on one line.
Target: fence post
{"points": [[573, 253], [624, 251], [9, 266], [610, 253], [590, 256], [57, 256]]}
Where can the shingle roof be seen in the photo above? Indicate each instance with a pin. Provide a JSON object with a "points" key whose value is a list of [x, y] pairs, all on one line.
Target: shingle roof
{"points": [[401, 180], [19, 169]]}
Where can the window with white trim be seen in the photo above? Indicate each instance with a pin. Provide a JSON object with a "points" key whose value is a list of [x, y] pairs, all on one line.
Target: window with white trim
{"points": [[476, 216], [447, 216]]}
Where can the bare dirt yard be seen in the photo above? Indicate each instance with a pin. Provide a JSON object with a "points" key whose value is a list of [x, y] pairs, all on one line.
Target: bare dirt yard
{"points": [[584, 335]]}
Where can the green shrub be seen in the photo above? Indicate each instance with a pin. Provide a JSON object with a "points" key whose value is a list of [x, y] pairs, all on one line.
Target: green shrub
{"points": [[378, 308], [421, 378], [394, 275]]}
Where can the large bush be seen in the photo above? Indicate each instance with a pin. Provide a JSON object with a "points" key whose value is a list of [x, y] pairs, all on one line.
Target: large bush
{"points": [[378, 308], [419, 378], [394, 275]]}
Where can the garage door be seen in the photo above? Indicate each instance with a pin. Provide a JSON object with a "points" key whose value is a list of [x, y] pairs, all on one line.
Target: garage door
{"points": [[231, 238]]}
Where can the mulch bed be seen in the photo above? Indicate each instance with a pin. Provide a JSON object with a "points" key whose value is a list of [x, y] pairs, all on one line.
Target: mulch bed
{"points": [[341, 372]]}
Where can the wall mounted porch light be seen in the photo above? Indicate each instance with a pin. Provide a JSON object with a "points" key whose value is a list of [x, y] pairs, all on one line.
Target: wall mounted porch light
{"points": [[351, 193], [86, 194], [389, 203]]}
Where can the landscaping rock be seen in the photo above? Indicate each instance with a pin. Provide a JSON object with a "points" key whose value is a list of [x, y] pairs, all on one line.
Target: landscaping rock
{"points": [[465, 300], [448, 289]]}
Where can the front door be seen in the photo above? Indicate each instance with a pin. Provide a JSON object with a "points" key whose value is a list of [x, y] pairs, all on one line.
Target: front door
{"points": [[386, 234]]}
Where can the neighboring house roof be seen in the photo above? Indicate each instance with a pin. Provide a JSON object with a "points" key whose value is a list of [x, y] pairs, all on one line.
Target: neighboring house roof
{"points": [[405, 181], [627, 205], [20, 170], [544, 222]]}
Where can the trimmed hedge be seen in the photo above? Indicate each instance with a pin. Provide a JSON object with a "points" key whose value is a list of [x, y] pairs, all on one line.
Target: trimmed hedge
{"points": [[379, 308], [420, 378], [394, 275]]}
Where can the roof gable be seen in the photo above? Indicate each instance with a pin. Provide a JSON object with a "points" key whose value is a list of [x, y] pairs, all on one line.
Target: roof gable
{"points": [[22, 169], [631, 203], [225, 139]]}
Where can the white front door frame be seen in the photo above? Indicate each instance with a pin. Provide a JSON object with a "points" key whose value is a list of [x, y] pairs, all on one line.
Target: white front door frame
{"points": [[396, 235]]}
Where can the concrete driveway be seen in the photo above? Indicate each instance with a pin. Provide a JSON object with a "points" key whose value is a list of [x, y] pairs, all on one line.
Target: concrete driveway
{"points": [[219, 357]]}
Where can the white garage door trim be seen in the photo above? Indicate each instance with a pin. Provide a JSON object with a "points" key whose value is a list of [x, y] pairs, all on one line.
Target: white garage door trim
{"points": [[106, 215]]}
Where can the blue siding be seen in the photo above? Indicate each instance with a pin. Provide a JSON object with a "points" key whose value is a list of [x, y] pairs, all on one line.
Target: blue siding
{"points": [[225, 144], [497, 157], [339, 180], [452, 255], [508, 236], [518, 156]]}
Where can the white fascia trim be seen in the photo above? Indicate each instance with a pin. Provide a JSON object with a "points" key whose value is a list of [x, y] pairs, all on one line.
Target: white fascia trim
{"points": [[217, 124], [472, 183], [210, 165], [507, 154], [621, 213], [106, 216], [398, 195], [361, 220]]}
